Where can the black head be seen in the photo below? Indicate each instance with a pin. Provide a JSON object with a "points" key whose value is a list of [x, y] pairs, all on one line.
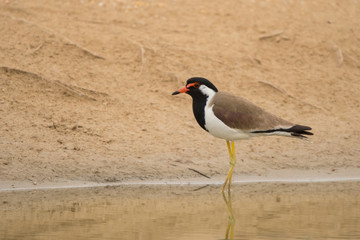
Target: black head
{"points": [[199, 89], [193, 85]]}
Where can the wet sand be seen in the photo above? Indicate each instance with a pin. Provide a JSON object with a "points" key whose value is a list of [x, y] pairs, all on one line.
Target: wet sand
{"points": [[282, 176]]}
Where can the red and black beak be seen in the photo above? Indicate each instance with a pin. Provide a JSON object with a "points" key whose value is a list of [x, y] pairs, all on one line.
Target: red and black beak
{"points": [[184, 89], [181, 90]]}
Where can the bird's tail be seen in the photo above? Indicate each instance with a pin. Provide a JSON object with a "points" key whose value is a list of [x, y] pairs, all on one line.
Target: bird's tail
{"points": [[299, 131]]}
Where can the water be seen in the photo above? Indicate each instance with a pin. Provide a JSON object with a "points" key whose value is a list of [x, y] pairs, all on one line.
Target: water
{"points": [[252, 211]]}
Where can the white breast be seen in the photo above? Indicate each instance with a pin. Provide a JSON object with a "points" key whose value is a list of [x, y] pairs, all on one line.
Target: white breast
{"points": [[216, 127]]}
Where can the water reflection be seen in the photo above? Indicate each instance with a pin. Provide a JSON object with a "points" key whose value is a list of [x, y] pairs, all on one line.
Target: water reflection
{"points": [[231, 221], [262, 211]]}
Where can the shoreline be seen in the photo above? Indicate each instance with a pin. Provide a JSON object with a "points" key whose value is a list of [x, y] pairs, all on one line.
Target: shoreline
{"points": [[277, 176]]}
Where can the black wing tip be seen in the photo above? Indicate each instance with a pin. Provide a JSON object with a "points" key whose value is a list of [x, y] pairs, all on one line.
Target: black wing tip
{"points": [[299, 131], [298, 128], [296, 131]]}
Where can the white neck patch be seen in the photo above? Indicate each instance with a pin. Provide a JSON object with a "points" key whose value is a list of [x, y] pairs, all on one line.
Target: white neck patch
{"points": [[208, 92]]}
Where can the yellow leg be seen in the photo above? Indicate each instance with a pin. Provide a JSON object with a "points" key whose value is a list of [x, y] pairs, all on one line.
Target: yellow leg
{"points": [[230, 155], [231, 149]]}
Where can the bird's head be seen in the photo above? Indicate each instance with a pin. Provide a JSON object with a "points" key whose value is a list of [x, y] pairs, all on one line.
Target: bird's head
{"points": [[197, 86]]}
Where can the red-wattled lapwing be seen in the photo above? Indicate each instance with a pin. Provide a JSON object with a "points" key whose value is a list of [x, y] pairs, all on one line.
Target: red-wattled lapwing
{"points": [[232, 118]]}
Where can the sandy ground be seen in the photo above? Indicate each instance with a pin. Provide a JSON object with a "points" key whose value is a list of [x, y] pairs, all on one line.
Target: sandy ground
{"points": [[85, 87]]}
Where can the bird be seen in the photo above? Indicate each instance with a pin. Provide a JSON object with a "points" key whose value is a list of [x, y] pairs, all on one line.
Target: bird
{"points": [[232, 118]]}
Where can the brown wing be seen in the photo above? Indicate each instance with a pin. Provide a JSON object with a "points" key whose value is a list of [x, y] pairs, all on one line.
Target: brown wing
{"points": [[239, 113]]}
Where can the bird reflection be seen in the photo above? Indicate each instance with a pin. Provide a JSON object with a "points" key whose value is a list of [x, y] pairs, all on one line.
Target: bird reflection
{"points": [[231, 221]]}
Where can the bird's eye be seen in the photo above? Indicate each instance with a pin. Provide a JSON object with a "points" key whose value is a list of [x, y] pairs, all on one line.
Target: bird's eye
{"points": [[197, 85]]}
